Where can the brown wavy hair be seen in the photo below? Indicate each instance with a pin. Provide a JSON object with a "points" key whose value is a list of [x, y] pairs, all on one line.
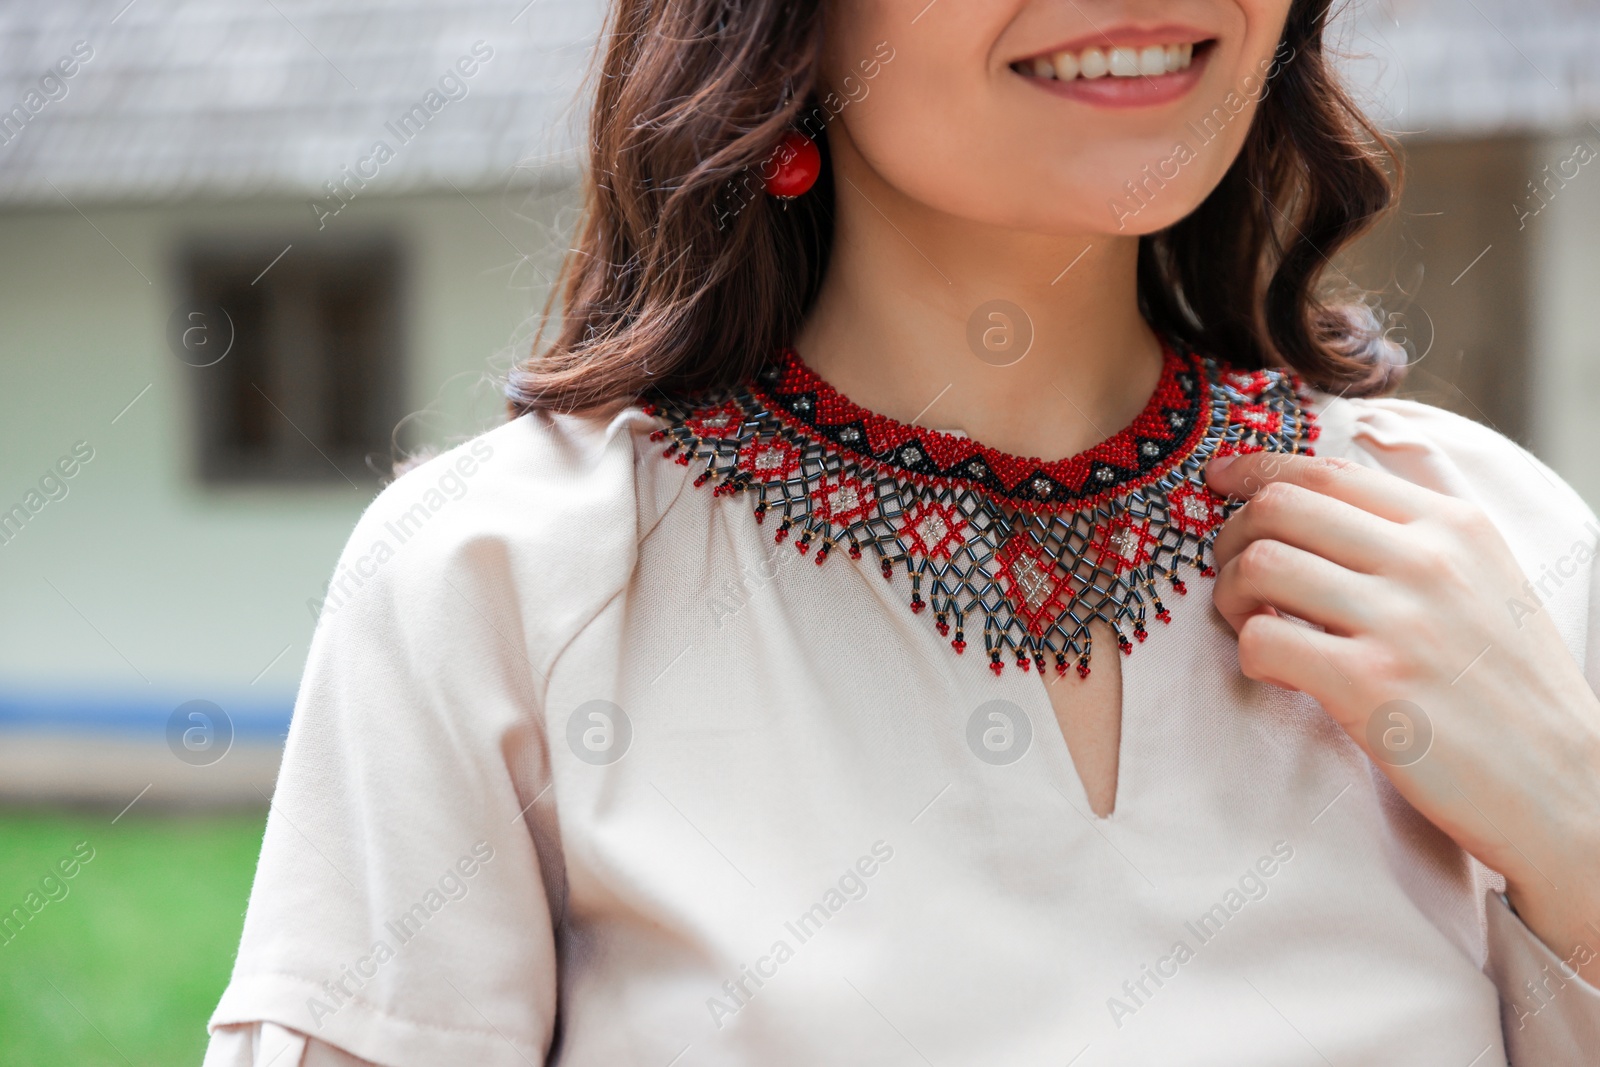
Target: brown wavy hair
{"points": [[684, 275]]}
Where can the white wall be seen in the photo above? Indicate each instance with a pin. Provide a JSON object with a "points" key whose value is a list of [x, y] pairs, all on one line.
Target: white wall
{"points": [[164, 590], [1566, 291]]}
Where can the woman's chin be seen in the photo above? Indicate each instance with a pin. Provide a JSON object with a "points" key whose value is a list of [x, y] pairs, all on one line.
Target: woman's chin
{"points": [[1109, 211]]}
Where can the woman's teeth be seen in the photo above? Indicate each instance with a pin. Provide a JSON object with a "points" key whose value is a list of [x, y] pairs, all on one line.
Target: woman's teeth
{"points": [[1115, 62]]}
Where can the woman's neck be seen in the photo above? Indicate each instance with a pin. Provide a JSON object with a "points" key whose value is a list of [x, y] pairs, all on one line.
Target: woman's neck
{"points": [[892, 328]]}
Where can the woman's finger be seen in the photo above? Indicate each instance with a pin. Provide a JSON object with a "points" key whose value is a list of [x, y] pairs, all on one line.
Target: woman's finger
{"points": [[1245, 475], [1286, 579], [1339, 532], [1291, 655]]}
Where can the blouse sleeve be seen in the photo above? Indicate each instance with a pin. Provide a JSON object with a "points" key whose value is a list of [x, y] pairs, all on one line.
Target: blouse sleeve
{"points": [[410, 878], [1550, 1016]]}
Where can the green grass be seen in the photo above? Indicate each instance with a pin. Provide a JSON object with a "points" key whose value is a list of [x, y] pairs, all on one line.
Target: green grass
{"points": [[126, 968]]}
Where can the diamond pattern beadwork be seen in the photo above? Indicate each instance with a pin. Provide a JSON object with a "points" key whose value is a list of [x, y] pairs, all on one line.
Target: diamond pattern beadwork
{"points": [[1032, 550]]}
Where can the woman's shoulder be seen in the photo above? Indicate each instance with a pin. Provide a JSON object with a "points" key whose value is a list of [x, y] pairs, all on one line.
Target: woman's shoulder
{"points": [[1446, 451], [538, 476], [541, 516], [1549, 527]]}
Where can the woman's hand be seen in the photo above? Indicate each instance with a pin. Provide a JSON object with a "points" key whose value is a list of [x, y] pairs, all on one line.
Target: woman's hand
{"points": [[1472, 706]]}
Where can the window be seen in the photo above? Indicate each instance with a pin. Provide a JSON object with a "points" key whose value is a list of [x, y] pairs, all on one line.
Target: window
{"points": [[306, 383]]}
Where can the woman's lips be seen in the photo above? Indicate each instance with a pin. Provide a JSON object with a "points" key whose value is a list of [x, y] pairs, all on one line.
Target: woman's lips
{"points": [[1105, 78]]}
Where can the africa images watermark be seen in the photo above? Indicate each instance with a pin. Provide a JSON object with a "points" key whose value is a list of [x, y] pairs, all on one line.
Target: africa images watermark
{"points": [[406, 128], [1534, 997], [451, 485], [737, 591], [1553, 577], [1252, 89], [451, 886], [52, 887], [52, 486], [851, 885], [1252, 886], [1542, 193], [51, 88], [750, 182]]}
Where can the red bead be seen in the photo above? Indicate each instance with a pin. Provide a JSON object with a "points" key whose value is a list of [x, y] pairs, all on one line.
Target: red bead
{"points": [[793, 167], [917, 604], [959, 645]]}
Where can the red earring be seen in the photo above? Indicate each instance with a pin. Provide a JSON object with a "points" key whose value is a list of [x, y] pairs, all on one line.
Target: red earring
{"points": [[793, 167]]}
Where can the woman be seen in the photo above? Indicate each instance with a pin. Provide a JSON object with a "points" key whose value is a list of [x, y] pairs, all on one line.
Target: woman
{"points": [[754, 697]]}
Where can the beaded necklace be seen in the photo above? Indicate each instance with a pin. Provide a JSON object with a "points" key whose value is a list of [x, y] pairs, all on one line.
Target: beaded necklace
{"points": [[1034, 549]]}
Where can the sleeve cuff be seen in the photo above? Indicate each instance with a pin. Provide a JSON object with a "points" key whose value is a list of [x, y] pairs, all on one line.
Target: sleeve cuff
{"points": [[271, 1045], [364, 1033], [1551, 1017]]}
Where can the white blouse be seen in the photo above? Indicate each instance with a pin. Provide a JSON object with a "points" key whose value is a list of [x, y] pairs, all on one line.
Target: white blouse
{"points": [[586, 769]]}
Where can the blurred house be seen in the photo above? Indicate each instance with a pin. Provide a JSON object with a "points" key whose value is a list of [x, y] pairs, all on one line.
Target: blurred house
{"points": [[1490, 266], [241, 243]]}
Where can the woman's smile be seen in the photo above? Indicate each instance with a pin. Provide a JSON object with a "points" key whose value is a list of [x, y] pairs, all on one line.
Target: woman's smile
{"points": [[1122, 67]]}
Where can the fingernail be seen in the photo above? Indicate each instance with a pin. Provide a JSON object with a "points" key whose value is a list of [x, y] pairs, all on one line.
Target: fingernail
{"points": [[1219, 464]]}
